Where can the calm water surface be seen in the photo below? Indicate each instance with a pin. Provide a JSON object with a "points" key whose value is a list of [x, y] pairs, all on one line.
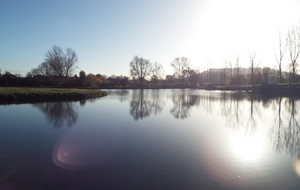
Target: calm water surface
{"points": [[152, 139]]}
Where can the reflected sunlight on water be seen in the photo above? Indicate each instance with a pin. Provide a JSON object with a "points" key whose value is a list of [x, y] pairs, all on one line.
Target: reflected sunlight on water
{"points": [[246, 148], [83, 148], [154, 139], [297, 166]]}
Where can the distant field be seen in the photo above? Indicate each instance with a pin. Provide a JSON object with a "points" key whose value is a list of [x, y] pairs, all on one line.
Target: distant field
{"points": [[46, 94]]}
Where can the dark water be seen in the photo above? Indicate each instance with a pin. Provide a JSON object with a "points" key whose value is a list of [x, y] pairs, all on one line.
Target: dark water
{"points": [[153, 139]]}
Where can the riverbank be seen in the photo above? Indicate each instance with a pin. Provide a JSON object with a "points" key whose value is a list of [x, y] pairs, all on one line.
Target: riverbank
{"points": [[26, 95]]}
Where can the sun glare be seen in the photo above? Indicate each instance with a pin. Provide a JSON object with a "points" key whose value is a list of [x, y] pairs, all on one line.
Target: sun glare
{"points": [[232, 27], [246, 148]]}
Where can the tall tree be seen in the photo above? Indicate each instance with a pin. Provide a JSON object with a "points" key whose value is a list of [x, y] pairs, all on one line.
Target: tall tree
{"points": [[57, 63], [54, 58], [193, 77], [252, 56], [156, 72], [237, 65], [180, 64], [293, 44], [70, 62], [230, 71], [279, 54], [223, 75], [140, 68]]}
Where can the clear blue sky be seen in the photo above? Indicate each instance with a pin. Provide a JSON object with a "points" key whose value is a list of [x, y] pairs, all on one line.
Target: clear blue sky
{"points": [[107, 34]]}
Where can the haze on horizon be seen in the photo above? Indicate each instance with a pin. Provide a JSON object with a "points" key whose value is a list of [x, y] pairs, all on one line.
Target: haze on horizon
{"points": [[107, 34]]}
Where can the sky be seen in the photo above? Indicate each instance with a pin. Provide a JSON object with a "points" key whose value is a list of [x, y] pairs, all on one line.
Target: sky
{"points": [[106, 35]]}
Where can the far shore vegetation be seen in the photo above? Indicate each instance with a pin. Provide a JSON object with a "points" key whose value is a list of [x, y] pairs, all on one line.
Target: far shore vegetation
{"points": [[59, 70]]}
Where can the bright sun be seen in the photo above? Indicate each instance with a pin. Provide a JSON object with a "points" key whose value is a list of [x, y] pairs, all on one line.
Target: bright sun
{"points": [[232, 27], [246, 148]]}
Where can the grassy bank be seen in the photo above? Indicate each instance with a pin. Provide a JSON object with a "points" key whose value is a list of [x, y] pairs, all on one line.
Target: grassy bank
{"points": [[239, 88], [267, 89], [21, 95]]}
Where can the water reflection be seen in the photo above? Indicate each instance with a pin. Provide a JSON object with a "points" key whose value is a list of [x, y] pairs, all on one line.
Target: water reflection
{"points": [[285, 131], [297, 166], [59, 113], [225, 143], [121, 93], [183, 102], [87, 147], [145, 102], [241, 111]]}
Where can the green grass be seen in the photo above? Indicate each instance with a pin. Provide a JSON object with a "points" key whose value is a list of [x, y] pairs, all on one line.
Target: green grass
{"points": [[17, 90], [46, 94]]}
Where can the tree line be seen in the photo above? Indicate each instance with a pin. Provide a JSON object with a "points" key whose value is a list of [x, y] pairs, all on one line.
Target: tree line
{"points": [[59, 67]]}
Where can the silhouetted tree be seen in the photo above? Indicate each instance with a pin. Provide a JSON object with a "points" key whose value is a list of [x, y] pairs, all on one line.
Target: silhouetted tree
{"points": [[93, 81], [170, 78], [193, 77], [140, 68], [117, 80], [252, 56], [230, 71], [156, 72], [180, 64], [279, 56], [70, 62], [293, 44], [266, 71], [57, 63], [223, 76], [82, 77], [237, 67], [29, 75]]}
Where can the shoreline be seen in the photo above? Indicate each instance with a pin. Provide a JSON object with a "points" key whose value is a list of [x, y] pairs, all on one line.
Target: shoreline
{"points": [[18, 95]]}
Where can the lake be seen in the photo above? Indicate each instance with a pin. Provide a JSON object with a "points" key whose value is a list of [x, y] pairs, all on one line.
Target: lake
{"points": [[153, 139]]}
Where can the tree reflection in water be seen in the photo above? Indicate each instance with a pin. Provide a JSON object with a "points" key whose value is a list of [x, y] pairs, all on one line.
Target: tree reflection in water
{"points": [[231, 109], [121, 93], [241, 110], [285, 132], [142, 105], [59, 113], [183, 103], [239, 115]]}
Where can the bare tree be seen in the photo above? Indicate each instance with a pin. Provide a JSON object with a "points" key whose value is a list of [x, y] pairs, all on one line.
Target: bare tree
{"points": [[193, 77], [55, 60], [43, 69], [279, 54], [156, 72], [293, 44], [57, 63], [180, 64], [237, 65], [229, 62], [223, 76], [252, 56], [140, 68], [70, 62]]}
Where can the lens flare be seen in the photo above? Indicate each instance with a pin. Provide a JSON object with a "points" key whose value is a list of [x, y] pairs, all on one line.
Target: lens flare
{"points": [[297, 166]]}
